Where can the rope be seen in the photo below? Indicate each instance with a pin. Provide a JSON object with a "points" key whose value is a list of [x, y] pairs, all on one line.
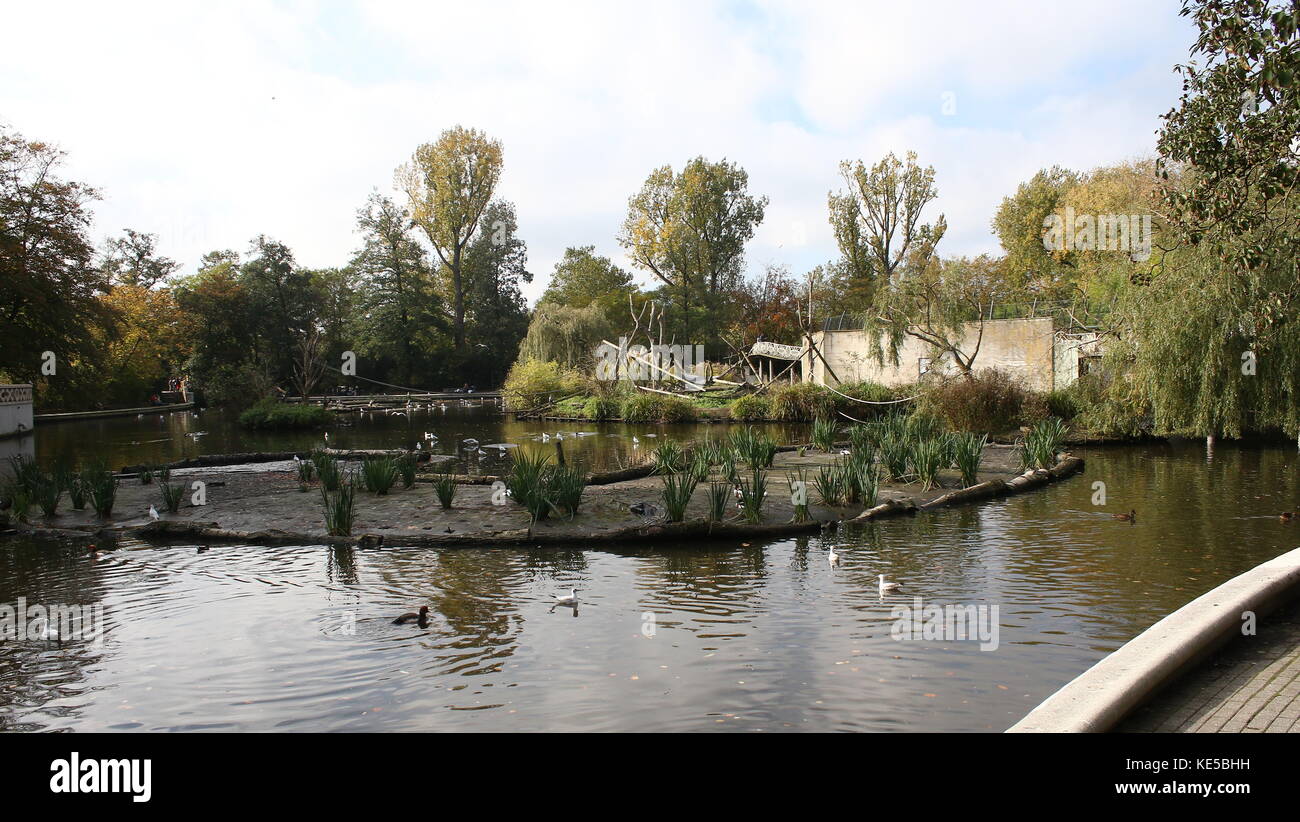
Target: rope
{"points": [[869, 402]]}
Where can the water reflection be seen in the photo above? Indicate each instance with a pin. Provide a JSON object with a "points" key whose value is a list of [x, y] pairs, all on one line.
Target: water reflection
{"points": [[727, 636]]}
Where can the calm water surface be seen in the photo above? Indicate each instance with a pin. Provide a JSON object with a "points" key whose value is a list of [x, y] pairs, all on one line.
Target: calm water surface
{"points": [[758, 637]]}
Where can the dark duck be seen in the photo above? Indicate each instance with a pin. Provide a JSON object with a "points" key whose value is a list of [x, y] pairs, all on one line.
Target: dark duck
{"points": [[421, 618]]}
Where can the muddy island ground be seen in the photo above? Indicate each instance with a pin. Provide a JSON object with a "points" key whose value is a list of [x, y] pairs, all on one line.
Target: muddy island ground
{"points": [[264, 506]]}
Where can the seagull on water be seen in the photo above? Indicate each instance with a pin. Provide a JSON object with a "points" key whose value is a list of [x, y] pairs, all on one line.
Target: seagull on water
{"points": [[833, 557], [569, 600], [886, 586]]}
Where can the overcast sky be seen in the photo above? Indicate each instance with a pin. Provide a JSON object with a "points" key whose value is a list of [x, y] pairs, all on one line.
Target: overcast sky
{"points": [[210, 123]]}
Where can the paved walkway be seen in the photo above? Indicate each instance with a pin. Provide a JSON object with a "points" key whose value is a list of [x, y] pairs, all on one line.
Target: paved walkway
{"points": [[1251, 686]]}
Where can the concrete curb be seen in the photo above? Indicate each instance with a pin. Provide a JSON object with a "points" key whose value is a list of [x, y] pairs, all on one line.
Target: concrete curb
{"points": [[1096, 700]]}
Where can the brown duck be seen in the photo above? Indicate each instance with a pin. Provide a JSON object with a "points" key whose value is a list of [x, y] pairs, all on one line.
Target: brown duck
{"points": [[1131, 516], [1286, 516]]}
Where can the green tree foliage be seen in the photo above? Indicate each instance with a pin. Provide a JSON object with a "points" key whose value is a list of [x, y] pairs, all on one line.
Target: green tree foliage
{"points": [[877, 219], [49, 287], [495, 266], [1018, 225], [449, 184], [1215, 347], [689, 230], [133, 259], [403, 324]]}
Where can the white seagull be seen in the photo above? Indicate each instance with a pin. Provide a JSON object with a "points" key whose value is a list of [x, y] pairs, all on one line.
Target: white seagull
{"points": [[153, 513], [833, 557], [568, 600], [888, 586]]}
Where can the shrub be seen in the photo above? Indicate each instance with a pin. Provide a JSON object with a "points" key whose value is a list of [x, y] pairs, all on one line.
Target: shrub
{"points": [[646, 407], [270, 413], [1062, 404], [406, 469], [533, 383], [869, 391], [927, 458], [327, 468], [601, 408], [829, 483], [802, 402], [751, 408], [1038, 448], [171, 494], [102, 486], [755, 449], [987, 401]]}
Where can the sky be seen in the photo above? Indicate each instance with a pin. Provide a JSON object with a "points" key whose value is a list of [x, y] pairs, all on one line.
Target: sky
{"points": [[208, 124]]}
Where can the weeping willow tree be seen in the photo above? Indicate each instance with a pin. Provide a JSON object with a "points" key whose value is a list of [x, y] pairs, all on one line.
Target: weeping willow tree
{"points": [[1197, 358], [567, 335], [1215, 342]]}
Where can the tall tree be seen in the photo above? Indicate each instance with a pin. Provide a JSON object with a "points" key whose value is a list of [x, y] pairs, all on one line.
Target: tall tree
{"points": [[449, 183], [496, 265], [405, 320], [133, 259], [689, 230], [284, 301], [49, 287], [582, 277], [877, 219]]}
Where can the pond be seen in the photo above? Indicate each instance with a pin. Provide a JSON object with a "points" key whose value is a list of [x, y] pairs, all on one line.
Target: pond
{"points": [[726, 636]]}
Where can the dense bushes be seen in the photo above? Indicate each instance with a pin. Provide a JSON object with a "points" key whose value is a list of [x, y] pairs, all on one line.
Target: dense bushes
{"points": [[644, 407], [802, 402], [532, 383], [751, 408], [602, 408], [988, 401], [271, 413]]}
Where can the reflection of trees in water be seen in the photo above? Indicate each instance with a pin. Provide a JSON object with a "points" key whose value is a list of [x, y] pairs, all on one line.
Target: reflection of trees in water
{"points": [[33, 672], [342, 566]]}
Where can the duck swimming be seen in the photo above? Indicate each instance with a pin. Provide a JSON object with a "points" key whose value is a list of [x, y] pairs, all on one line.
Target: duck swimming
{"points": [[421, 618], [1131, 516], [1286, 516]]}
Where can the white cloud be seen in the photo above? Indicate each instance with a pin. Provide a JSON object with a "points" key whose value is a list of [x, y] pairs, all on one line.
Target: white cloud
{"points": [[211, 123]]}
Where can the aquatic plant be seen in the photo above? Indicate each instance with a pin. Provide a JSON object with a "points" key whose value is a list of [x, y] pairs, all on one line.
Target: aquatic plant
{"points": [[678, 489], [306, 471], [102, 486], [564, 487], [754, 449], [928, 457], [1038, 448], [20, 499], [968, 452], [145, 474], [48, 493], [719, 496], [340, 507], [171, 493], [824, 431], [526, 482], [752, 493], [669, 457], [444, 485], [798, 484], [829, 484], [700, 466], [378, 474], [76, 488], [406, 469], [895, 455], [25, 473], [327, 468]]}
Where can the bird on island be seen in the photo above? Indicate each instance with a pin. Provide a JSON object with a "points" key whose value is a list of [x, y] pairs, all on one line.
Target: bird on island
{"points": [[886, 586], [1286, 516], [1131, 516], [153, 513], [833, 557], [421, 618]]}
